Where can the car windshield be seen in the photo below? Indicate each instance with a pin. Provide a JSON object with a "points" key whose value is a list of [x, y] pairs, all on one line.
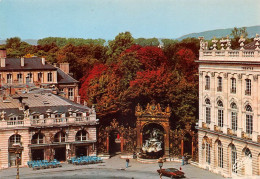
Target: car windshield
{"points": [[171, 170]]}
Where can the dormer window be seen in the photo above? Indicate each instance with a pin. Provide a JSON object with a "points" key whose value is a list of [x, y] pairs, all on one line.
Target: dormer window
{"points": [[9, 78], [29, 78], [49, 77]]}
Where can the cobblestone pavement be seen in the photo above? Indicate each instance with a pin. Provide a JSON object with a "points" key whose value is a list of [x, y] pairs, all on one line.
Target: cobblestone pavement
{"points": [[113, 168]]}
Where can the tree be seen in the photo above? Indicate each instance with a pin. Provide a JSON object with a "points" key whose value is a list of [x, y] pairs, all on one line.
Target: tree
{"points": [[147, 42], [237, 33], [121, 42]]}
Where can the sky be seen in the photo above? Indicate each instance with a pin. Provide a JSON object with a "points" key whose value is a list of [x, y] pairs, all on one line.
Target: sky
{"points": [[35, 19]]}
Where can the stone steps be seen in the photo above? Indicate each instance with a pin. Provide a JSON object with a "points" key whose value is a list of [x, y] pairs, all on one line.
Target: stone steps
{"points": [[142, 160]]}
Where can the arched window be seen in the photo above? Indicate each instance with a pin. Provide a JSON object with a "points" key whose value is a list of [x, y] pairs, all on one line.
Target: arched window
{"points": [[81, 135], [234, 158], [220, 113], [60, 137], [249, 119], [38, 138], [248, 153], [208, 148], [14, 139], [220, 154], [207, 79], [233, 116], [207, 111]]}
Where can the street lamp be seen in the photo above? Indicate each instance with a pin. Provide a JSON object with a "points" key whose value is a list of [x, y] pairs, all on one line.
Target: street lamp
{"points": [[160, 163], [17, 153]]}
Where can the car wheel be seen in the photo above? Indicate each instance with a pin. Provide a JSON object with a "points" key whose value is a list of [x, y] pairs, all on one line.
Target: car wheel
{"points": [[171, 177]]}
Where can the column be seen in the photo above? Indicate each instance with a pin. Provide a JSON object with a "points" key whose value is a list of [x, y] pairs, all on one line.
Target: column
{"points": [[108, 143]]}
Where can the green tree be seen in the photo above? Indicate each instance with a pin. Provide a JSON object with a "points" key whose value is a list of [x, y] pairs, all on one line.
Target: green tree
{"points": [[121, 42]]}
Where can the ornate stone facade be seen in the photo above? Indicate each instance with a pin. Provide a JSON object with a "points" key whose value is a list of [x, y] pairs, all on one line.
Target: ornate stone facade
{"points": [[229, 125]]}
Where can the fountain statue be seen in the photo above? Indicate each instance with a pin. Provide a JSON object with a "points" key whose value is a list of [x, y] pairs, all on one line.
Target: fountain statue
{"points": [[154, 143]]}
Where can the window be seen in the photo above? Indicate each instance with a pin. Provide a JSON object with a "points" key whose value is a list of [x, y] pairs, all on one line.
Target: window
{"points": [[220, 155], [60, 137], [38, 138], [220, 113], [208, 152], [233, 85], [248, 87], [71, 94], [29, 78], [249, 119], [15, 120], [208, 111], [39, 77], [234, 158], [234, 116], [49, 77], [14, 139], [19, 78], [9, 78], [81, 135], [219, 88], [207, 86]]}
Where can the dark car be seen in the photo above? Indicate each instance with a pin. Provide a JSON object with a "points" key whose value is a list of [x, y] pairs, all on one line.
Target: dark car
{"points": [[171, 172]]}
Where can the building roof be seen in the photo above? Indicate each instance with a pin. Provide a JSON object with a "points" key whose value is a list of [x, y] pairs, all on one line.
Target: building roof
{"points": [[64, 78], [249, 46], [34, 63], [39, 103]]}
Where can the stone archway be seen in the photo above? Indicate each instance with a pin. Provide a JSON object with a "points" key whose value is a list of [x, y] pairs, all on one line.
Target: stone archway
{"points": [[153, 114], [153, 140], [123, 137]]}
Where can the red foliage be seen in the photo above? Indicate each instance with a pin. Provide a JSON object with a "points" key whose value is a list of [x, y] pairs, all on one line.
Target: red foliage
{"points": [[96, 71], [187, 62], [151, 57]]}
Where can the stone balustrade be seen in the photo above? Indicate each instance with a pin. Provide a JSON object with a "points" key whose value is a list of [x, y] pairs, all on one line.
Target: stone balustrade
{"points": [[46, 122]]}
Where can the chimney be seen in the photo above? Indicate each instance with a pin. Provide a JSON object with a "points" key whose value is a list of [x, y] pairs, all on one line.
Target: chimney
{"points": [[43, 60], [2, 62], [2, 53], [65, 67], [22, 62]]}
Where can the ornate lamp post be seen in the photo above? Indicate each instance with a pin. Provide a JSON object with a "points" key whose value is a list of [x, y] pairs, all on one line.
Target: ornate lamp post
{"points": [[160, 163], [17, 153]]}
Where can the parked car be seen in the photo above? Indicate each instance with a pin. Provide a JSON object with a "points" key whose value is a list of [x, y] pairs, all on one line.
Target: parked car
{"points": [[171, 172]]}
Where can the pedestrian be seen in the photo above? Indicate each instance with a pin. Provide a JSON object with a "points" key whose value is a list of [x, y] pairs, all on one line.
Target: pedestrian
{"points": [[180, 168], [182, 160], [127, 162]]}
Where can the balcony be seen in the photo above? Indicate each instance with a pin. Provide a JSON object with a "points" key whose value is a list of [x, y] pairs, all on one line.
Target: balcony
{"points": [[231, 132], [15, 123], [219, 89], [233, 90], [60, 121], [248, 92], [246, 135]]}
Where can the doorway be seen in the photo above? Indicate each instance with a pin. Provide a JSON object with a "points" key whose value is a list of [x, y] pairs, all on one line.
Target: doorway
{"points": [[37, 154], [81, 151], [12, 159], [114, 142], [60, 154]]}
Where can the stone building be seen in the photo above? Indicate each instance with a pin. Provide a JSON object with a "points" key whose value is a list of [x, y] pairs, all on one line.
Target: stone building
{"points": [[44, 126], [229, 108], [22, 74]]}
